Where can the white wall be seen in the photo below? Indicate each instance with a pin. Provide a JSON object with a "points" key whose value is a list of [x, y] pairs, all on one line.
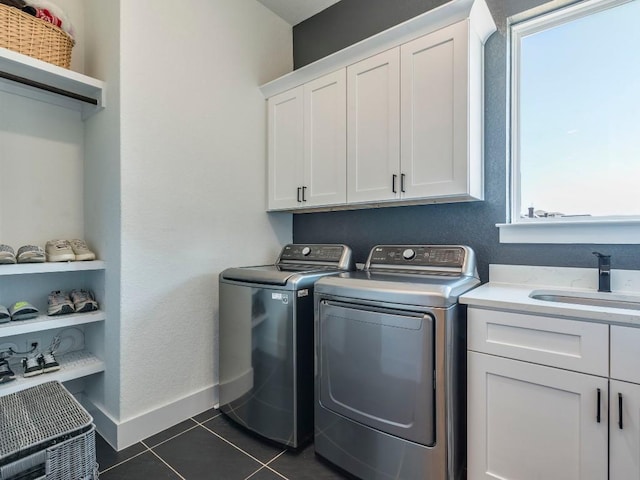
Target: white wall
{"points": [[193, 126]]}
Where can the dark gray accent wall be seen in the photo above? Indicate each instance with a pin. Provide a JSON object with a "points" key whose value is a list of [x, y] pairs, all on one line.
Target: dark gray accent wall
{"points": [[471, 224]]}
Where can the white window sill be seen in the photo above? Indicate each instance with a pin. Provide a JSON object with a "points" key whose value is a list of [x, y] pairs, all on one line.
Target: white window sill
{"points": [[605, 231]]}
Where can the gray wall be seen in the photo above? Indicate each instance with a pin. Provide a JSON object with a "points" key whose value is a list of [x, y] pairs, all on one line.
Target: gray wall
{"points": [[471, 224]]}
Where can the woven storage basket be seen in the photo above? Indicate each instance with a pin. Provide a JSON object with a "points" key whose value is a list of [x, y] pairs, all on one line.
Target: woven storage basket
{"points": [[26, 34]]}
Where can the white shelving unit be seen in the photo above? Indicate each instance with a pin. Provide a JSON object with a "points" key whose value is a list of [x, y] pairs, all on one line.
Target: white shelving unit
{"points": [[27, 77]]}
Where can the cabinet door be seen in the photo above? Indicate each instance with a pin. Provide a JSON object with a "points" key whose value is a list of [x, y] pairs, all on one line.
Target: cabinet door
{"points": [[434, 138], [325, 140], [625, 356], [373, 128], [285, 149], [624, 454], [529, 422]]}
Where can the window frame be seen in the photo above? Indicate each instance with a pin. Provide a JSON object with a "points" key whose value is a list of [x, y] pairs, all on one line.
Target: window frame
{"points": [[601, 229]]}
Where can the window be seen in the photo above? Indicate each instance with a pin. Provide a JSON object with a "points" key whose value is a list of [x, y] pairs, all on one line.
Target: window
{"points": [[575, 120]]}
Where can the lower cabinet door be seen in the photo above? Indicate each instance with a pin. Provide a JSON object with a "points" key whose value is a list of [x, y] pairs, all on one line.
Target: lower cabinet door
{"points": [[624, 455], [528, 421]]}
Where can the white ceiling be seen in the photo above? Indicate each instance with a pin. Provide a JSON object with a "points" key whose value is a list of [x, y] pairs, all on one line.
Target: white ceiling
{"points": [[295, 11]]}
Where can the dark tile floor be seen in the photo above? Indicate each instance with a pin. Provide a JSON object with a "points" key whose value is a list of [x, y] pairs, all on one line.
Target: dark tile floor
{"points": [[209, 446]]}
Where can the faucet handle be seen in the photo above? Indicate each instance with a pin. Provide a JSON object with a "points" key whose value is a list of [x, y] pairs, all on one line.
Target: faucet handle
{"points": [[601, 255]]}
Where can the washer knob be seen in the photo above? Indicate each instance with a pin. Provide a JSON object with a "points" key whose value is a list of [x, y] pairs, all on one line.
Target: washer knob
{"points": [[408, 254], [306, 251]]}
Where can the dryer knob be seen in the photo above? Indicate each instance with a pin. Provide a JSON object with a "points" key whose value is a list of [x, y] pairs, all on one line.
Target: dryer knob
{"points": [[306, 251], [408, 254]]}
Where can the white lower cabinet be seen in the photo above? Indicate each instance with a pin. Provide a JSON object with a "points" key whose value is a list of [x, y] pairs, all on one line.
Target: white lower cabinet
{"points": [[624, 441], [625, 431], [529, 421], [551, 398]]}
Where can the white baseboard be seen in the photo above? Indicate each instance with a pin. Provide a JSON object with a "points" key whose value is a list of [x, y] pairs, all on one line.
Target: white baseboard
{"points": [[125, 433]]}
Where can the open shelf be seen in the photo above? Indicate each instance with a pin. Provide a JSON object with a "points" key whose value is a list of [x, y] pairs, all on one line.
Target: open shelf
{"points": [[50, 267], [72, 365], [33, 78], [44, 322]]}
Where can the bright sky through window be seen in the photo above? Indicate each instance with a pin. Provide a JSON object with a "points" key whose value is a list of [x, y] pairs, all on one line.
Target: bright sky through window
{"points": [[579, 116]]}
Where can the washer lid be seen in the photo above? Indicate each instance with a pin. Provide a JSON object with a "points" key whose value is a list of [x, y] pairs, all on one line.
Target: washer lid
{"points": [[275, 274]]}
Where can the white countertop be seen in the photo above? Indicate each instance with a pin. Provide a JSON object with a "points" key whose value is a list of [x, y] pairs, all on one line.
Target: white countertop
{"points": [[510, 285]]}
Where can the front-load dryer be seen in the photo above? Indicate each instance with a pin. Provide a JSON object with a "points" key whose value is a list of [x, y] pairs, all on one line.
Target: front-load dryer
{"points": [[390, 364]]}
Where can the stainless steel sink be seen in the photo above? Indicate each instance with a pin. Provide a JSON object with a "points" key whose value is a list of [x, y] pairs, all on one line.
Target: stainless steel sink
{"points": [[595, 299]]}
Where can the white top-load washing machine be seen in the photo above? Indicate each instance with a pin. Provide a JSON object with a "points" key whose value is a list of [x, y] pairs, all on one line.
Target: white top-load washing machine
{"points": [[266, 340], [390, 385]]}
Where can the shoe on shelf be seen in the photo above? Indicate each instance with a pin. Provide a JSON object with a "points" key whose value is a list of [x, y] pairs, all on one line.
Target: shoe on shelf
{"points": [[22, 311], [59, 303], [48, 362], [7, 254], [81, 250], [83, 300], [32, 366], [5, 316], [59, 251], [6, 374], [30, 254]]}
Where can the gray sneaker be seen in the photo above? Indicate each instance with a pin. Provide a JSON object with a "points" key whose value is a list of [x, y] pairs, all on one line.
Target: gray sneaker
{"points": [[83, 301], [32, 366], [48, 362], [6, 374], [7, 254], [30, 254], [59, 303]]}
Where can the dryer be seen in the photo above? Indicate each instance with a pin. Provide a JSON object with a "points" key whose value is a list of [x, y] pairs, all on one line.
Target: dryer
{"points": [[266, 340], [390, 380]]}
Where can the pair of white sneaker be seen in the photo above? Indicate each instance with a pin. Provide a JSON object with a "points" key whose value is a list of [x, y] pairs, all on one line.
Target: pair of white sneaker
{"points": [[68, 251]]}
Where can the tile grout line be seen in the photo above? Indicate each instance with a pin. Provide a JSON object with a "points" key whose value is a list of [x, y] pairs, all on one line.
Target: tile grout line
{"points": [[233, 445], [125, 461], [163, 461], [147, 448], [267, 467], [171, 438]]}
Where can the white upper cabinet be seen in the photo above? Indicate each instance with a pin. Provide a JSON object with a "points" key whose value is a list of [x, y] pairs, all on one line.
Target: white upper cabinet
{"points": [[413, 130], [373, 126], [285, 149], [439, 157], [307, 144], [325, 141]]}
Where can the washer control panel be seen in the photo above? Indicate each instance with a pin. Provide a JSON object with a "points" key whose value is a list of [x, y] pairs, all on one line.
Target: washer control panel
{"points": [[314, 253], [417, 256]]}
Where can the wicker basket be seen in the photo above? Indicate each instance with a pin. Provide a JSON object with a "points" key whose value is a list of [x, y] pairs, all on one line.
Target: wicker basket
{"points": [[26, 34]]}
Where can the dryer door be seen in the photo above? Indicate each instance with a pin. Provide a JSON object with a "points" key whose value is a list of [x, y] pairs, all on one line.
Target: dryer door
{"points": [[377, 368]]}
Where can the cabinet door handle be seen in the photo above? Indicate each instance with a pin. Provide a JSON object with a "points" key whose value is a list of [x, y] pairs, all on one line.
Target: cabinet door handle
{"points": [[304, 190], [598, 408], [402, 182], [620, 411], [299, 194], [393, 183]]}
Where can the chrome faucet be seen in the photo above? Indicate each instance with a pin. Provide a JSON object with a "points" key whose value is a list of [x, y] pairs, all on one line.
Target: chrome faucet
{"points": [[604, 272]]}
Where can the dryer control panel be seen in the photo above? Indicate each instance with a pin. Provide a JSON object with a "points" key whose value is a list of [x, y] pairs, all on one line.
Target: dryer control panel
{"points": [[324, 254], [422, 258]]}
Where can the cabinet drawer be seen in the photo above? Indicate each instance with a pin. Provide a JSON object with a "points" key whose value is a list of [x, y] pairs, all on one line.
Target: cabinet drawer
{"points": [[569, 344], [625, 355]]}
